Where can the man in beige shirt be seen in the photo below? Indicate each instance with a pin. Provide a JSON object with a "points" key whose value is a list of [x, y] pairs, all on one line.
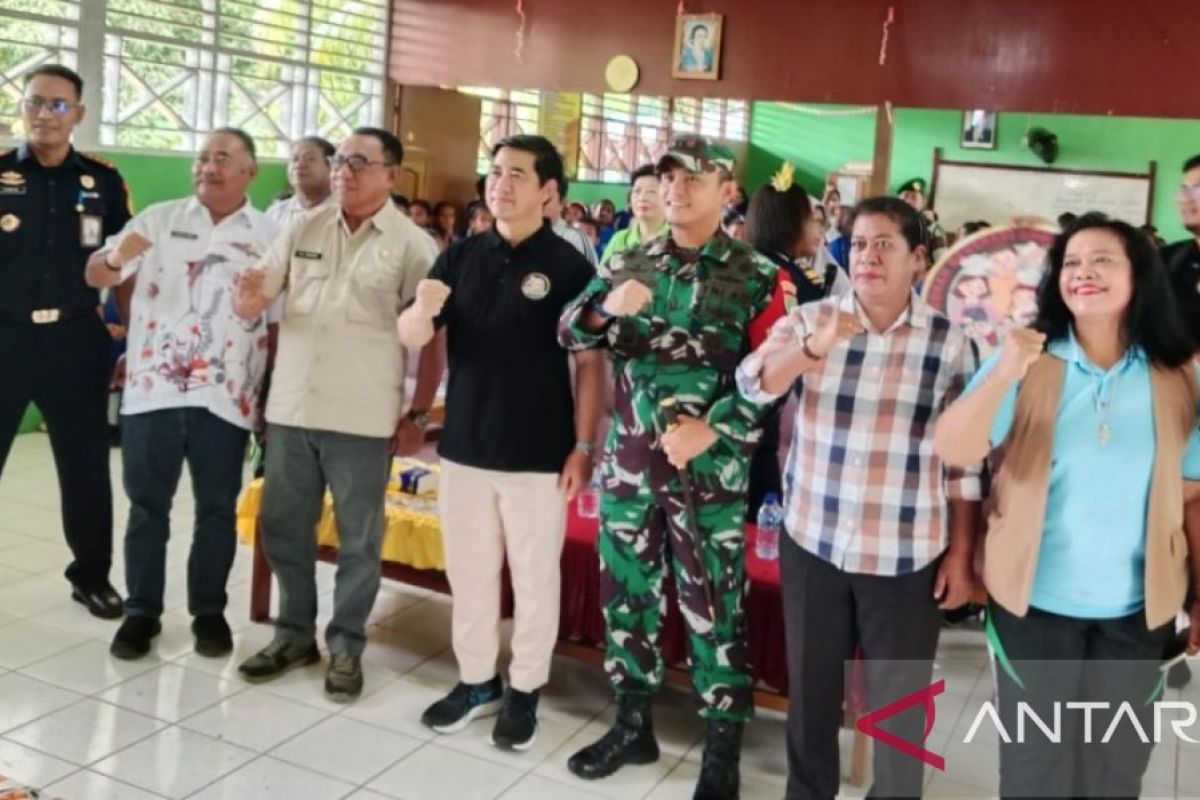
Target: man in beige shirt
{"points": [[336, 396]]}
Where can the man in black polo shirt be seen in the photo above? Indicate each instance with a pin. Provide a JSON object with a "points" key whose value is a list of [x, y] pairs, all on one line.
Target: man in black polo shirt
{"points": [[1183, 258], [56, 207], [515, 447]]}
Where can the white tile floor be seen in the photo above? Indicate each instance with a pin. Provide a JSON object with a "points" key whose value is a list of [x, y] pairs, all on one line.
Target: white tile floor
{"points": [[85, 726]]}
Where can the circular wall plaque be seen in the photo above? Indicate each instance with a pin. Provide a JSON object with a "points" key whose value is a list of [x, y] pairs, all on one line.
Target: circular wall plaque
{"points": [[621, 73]]}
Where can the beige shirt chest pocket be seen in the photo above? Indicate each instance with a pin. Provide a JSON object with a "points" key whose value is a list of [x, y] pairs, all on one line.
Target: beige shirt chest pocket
{"points": [[310, 274], [373, 298]]}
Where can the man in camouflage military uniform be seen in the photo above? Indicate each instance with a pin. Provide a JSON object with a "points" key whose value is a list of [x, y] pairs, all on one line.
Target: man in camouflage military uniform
{"points": [[677, 312]]}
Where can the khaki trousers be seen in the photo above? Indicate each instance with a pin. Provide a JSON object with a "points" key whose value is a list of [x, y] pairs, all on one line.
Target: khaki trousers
{"points": [[487, 515]]}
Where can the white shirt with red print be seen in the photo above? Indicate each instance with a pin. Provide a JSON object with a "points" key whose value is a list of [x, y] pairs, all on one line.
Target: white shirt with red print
{"points": [[186, 347]]}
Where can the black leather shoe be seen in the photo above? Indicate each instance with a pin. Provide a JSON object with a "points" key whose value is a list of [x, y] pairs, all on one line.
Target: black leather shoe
{"points": [[103, 601], [720, 777], [213, 637], [629, 741], [134, 636]]}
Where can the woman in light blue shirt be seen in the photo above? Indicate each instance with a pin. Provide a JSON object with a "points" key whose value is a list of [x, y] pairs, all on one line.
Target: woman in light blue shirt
{"points": [[1084, 629]]}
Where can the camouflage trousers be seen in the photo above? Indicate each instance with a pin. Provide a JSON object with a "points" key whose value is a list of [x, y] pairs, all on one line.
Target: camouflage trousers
{"points": [[641, 534]]}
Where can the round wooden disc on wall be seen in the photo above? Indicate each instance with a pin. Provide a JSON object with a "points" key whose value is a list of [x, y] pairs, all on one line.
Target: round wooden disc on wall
{"points": [[621, 73]]}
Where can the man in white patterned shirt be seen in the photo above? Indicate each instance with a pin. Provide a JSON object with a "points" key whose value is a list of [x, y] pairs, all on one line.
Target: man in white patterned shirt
{"points": [[194, 371], [880, 533]]}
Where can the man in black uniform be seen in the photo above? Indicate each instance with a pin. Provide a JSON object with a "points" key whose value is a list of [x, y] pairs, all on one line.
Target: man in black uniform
{"points": [[57, 206]]}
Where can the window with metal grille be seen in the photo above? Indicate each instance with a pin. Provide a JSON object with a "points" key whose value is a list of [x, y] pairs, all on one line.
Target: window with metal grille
{"points": [[279, 69], [32, 32], [174, 69], [711, 116], [503, 113], [620, 132]]}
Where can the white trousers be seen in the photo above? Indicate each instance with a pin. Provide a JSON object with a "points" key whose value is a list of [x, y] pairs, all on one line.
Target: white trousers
{"points": [[485, 516]]}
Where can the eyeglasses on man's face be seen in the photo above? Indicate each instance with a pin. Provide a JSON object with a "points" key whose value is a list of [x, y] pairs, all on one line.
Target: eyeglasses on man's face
{"points": [[58, 106], [356, 164]]}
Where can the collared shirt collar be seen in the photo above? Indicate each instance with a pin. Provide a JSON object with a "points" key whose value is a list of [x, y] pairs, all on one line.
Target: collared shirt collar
{"points": [[296, 203], [386, 218], [25, 154], [917, 315], [194, 206], [495, 240], [716, 248], [1071, 351], [634, 237]]}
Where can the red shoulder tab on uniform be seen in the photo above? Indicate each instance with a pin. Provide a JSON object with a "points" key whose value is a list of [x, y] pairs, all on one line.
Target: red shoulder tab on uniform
{"points": [[783, 296]]}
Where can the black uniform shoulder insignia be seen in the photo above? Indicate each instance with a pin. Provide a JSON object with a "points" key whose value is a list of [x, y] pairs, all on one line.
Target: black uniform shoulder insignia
{"points": [[101, 161]]}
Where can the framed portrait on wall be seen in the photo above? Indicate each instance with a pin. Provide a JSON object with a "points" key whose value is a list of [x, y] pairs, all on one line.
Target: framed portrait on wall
{"points": [[697, 53], [979, 129]]}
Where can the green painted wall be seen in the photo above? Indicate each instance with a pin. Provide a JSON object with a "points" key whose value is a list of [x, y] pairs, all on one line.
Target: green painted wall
{"points": [[591, 193], [1122, 144], [154, 178], [816, 145], [819, 144]]}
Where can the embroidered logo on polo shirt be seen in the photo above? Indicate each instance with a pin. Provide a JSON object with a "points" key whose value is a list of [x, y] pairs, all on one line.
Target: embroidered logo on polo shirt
{"points": [[184, 235], [535, 286], [309, 254]]}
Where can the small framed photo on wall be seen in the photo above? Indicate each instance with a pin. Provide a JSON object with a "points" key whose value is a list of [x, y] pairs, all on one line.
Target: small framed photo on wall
{"points": [[979, 129], [697, 53]]}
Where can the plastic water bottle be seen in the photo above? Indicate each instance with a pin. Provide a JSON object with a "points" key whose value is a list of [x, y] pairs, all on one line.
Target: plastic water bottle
{"points": [[770, 520], [588, 504]]}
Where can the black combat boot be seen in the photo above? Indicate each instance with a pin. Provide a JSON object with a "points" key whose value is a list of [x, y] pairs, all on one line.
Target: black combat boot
{"points": [[629, 741], [719, 774]]}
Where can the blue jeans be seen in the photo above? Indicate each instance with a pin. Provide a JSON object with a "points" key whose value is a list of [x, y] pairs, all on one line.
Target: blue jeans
{"points": [[154, 447]]}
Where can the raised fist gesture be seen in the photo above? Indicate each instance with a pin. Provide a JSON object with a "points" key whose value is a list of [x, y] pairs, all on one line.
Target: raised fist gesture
{"points": [[431, 297], [627, 299]]}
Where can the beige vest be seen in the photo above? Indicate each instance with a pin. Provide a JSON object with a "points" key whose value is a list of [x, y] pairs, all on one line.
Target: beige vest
{"points": [[1014, 533]]}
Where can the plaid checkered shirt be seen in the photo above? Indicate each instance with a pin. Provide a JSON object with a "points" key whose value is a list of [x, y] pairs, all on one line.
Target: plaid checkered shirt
{"points": [[863, 488]]}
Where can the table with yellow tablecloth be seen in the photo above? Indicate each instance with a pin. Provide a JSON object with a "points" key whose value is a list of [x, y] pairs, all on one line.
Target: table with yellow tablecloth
{"points": [[413, 535]]}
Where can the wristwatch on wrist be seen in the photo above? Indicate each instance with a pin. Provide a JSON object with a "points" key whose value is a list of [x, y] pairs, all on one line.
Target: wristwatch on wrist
{"points": [[585, 447], [419, 418]]}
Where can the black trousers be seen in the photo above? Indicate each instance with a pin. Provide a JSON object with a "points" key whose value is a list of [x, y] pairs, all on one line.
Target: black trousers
{"points": [[62, 367], [1060, 660], [765, 475], [828, 613]]}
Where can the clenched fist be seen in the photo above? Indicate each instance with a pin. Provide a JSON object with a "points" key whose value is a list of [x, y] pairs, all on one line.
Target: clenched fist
{"points": [[431, 297], [129, 248], [627, 299], [1021, 348], [832, 327], [251, 283]]}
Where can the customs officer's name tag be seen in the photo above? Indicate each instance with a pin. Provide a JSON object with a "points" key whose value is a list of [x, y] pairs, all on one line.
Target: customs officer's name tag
{"points": [[91, 230]]}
